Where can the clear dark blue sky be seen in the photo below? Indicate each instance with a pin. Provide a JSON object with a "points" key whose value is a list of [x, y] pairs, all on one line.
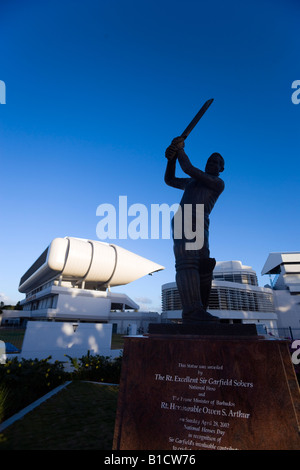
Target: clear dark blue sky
{"points": [[96, 90]]}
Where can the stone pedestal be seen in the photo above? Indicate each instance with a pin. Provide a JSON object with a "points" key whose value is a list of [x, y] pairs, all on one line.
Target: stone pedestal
{"points": [[197, 392]]}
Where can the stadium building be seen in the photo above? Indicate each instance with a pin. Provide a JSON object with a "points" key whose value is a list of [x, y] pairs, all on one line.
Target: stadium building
{"points": [[235, 297], [71, 281], [284, 272]]}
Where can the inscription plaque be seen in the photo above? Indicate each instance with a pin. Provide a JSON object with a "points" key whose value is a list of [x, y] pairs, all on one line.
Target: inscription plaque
{"points": [[207, 393]]}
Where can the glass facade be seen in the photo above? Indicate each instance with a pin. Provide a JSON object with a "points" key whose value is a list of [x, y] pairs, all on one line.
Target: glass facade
{"points": [[49, 301], [241, 278], [224, 297]]}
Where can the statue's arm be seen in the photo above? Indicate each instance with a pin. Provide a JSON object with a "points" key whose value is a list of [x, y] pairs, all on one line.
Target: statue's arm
{"points": [[171, 179], [199, 175]]}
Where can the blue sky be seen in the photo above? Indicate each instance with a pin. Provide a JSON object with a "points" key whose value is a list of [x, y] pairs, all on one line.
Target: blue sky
{"points": [[96, 90]]}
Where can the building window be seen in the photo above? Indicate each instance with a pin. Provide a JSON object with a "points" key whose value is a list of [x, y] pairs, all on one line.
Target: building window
{"points": [[45, 303], [240, 278], [171, 300], [225, 298]]}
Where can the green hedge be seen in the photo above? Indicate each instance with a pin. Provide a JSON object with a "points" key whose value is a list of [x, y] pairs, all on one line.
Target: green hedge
{"points": [[96, 368], [24, 381]]}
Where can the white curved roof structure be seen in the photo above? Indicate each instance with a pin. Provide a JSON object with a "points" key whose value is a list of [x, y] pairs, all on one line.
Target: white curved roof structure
{"points": [[86, 261], [275, 260]]}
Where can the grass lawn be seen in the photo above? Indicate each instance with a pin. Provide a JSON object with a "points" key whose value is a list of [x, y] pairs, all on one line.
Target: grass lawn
{"points": [[117, 341], [79, 417], [14, 336]]}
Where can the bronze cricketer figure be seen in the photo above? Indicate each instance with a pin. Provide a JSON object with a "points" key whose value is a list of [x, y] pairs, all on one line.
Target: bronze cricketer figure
{"points": [[194, 267]]}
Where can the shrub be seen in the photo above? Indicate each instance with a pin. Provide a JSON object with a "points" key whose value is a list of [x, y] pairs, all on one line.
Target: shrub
{"points": [[26, 380], [3, 402], [97, 368]]}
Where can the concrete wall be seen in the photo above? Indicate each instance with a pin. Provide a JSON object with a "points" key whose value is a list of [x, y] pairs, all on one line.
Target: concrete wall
{"points": [[84, 306], [56, 339], [287, 309]]}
